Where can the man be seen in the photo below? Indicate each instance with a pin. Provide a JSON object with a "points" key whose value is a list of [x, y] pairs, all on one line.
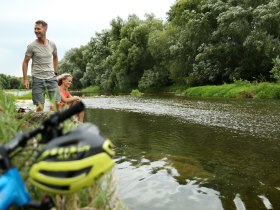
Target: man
{"points": [[44, 68]]}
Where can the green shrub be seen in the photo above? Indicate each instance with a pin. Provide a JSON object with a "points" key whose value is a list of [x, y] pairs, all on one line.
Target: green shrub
{"points": [[136, 93], [276, 69]]}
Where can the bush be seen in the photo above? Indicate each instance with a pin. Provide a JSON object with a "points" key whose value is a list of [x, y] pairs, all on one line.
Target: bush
{"points": [[136, 93]]}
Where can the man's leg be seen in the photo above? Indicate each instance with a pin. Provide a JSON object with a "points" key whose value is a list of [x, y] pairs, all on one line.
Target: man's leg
{"points": [[38, 93], [53, 92]]}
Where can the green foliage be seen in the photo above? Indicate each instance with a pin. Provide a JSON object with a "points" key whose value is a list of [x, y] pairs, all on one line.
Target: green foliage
{"points": [[239, 89], [276, 69], [268, 91], [92, 89], [150, 79], [10, 82], [136, 93], [217, 41], [9, 124]]}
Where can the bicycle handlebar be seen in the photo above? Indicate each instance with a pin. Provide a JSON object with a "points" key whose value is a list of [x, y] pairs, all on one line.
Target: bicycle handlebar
{"points": [[48, 129], [59, 117], [75, 109]]}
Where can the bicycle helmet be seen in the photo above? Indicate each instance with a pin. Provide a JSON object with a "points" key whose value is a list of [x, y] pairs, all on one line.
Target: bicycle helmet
{"points": [[72, 161]]}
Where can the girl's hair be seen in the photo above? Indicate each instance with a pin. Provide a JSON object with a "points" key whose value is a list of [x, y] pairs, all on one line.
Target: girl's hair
{"points": [[62, 77]]}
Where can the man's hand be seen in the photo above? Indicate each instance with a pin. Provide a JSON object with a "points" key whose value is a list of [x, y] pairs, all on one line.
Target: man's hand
{"points": [[26, 84], [24, 71]]}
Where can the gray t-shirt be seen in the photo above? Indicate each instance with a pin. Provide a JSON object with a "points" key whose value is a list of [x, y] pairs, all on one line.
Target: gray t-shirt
{"points": [[42, 59]]}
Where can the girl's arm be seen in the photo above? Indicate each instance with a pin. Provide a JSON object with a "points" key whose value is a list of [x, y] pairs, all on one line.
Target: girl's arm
{"points": [[70, 99]]}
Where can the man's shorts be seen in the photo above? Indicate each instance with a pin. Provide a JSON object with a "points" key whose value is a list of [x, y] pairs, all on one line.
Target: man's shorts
{"points": [[40, 87]]}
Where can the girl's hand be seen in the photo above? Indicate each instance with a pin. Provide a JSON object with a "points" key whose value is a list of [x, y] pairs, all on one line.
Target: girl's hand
{"points": [[77, 98]]}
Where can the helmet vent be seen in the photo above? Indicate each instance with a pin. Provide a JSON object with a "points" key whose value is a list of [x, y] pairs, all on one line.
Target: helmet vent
{"points": [[66, 174], [56, 187]]}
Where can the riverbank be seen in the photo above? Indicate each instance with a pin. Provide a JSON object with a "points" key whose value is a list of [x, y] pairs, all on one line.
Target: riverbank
{"points": [[238, 89]]}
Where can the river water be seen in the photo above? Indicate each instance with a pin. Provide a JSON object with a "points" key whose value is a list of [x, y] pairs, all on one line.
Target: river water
{"points": [[192, 154], [179, 153]]}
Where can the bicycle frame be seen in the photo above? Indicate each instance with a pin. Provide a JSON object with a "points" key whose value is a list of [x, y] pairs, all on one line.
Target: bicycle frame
{"points": [[13, 190]]}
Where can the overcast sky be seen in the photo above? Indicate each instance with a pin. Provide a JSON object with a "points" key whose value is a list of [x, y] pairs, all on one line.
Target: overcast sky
{"points": [[71, 23]]}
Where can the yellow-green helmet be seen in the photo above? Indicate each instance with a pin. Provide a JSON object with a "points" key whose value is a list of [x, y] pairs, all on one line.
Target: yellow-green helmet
{"points": [[70, 162]]}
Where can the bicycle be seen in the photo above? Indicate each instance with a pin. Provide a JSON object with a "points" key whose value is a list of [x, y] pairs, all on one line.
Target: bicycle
{"points": [[67, 163]]}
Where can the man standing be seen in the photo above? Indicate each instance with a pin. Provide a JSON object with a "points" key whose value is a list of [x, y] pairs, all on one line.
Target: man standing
{"points": [[44, 68]]}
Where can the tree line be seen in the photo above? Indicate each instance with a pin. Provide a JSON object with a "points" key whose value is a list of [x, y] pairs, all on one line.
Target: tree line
{"points": [[202, 42], [10, 82]]}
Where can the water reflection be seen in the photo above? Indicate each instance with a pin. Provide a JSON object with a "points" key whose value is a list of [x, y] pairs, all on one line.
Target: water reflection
{"points": [[156, 188]]}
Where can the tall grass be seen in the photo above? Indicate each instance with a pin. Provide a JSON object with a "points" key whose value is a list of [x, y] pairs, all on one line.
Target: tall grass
{"points": [[238, 89], [9, 122]]}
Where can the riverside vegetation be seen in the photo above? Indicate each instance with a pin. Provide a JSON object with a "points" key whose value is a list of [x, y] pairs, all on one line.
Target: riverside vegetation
{"points": [[239, 89], [101, 195]]}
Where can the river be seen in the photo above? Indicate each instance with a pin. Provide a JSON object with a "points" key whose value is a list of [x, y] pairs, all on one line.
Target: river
{"points": [[180, 153]]}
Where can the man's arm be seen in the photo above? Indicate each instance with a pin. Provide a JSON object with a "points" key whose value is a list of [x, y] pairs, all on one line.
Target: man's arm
{"points": [[24, 71], [55, 63]]}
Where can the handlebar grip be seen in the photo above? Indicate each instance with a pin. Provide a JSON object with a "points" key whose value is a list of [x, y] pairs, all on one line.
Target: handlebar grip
{"points": [[75, 109]]}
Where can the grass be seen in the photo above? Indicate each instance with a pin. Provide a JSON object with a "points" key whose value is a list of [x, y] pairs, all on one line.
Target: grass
{"points": [[93, 89], [9, 123], [239, 89], [175, 89]]}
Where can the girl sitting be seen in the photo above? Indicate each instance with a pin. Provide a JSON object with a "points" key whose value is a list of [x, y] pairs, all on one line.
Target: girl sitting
{"points": [[64, 82]]}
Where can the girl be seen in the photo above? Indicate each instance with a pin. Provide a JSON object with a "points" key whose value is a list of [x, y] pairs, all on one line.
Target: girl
{"points": [[64, 82]]}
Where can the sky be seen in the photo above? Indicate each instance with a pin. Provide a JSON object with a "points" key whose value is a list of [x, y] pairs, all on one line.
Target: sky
{"points": [[71, 23]]}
